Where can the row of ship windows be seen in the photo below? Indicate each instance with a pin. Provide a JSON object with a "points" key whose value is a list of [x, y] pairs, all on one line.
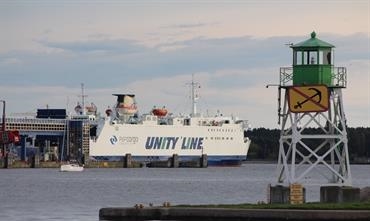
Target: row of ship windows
{"points": [[34, 126], [220, 138], [222, 130]]}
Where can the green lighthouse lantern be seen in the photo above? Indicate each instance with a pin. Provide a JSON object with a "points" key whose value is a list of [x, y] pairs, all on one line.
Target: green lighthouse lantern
{"points": [[312, 62]]}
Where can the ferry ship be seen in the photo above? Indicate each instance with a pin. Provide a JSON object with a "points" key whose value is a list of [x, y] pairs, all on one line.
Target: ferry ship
{"points": [[159, 135]]}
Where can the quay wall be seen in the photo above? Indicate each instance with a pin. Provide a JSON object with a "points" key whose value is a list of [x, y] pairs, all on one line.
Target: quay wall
{"points": [[216, 214]]}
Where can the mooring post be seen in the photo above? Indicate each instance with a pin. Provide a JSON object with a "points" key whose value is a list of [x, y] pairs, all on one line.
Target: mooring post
{"points": [[175, 161], [86, 160], [8, 161], [35, 160], [128, 161], [204, 161]]}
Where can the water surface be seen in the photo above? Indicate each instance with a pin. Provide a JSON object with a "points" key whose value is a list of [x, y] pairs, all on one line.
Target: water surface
{"points": [[47, 194]]}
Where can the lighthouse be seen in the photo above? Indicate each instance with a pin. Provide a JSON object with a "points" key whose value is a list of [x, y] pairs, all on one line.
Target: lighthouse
{"points": [[313, 139]]}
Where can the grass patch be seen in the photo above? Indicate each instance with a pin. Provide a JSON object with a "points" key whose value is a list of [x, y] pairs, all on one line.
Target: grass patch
{"points": [[305, 206]]}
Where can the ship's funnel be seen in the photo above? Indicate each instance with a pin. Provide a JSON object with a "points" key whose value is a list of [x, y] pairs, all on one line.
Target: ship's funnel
{"points": [[126, 104]]}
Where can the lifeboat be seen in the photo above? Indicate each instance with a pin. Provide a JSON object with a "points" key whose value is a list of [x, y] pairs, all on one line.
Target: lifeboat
{"points": [[108, 112], [160, 112]]}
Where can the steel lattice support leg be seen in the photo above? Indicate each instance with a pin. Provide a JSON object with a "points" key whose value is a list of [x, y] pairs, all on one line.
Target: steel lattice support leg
{"points": [[317, 141]]}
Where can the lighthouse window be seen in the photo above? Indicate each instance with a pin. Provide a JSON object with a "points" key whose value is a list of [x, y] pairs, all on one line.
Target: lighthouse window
{"points": [[321, 57], [313, 57], [327, 57], [305, 57], [297, 59]]}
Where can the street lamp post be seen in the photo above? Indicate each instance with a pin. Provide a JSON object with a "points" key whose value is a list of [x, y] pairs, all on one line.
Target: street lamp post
{"points": [[3, 127]]}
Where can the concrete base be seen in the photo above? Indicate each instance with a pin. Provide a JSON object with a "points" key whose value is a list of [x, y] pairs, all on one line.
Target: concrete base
{"points": [[365, 194], [279, 194], [339, 194]]}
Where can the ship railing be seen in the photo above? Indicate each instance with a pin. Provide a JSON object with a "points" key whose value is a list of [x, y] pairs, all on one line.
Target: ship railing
{"points": [[286, 76], [244, 124], [338, 77]]}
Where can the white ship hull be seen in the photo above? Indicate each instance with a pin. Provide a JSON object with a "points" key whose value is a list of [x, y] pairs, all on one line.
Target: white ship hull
{"points": [[146, 141]]}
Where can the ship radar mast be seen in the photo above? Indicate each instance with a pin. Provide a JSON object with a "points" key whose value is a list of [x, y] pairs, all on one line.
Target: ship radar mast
{"points": [[83, 98], [194, 95]]}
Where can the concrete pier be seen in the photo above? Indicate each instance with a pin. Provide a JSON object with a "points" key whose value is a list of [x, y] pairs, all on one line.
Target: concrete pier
{"points": [[339, 194], [218, 214]]}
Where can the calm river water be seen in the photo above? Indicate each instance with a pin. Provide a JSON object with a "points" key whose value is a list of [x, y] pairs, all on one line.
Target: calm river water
{"points": [[47, 194]]}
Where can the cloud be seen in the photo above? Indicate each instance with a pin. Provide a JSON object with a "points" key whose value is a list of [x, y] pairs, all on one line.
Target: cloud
{"points": [[10, 61], [190, 25], [233, 73], [121, 46]]}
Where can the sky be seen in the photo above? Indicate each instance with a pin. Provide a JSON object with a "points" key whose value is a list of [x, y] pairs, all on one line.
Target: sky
{"points": [[152, 48]]}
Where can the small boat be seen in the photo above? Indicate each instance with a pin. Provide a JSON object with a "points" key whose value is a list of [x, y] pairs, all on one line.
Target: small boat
{"points": [[71, 167]]}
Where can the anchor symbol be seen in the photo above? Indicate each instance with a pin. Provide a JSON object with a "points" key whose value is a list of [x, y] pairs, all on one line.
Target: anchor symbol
{"points": [[317, 94]]}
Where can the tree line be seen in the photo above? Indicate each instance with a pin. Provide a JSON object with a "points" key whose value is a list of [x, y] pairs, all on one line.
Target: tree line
{"points": [[265, 144]]}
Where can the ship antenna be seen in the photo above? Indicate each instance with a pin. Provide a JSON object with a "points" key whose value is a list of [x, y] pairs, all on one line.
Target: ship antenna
{"points": [[194, 95], [83, 98]]}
